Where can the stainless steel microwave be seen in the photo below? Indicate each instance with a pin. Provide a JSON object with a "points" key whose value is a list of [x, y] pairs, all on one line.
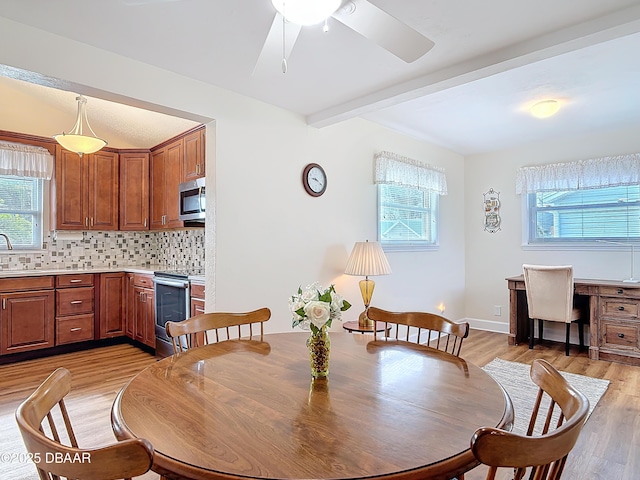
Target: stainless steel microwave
{"points": [[192, 200]]}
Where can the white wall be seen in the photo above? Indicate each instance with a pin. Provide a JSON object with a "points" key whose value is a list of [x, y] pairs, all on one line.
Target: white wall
{"points": [[270, 235], [491, 257]]}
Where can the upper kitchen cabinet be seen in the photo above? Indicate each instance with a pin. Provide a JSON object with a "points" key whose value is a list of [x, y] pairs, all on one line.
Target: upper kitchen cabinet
{"points": [[134, 190], [85, 191], [166, 170], [193, 163]]}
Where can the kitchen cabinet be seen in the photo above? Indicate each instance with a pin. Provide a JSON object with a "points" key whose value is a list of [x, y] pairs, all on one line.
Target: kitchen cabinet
{"points": [[27, 314], [134, 191], [84, 191], [165, 176], [197, 298], [112, 304], [75, 308], [194, 156], [141, 320]]}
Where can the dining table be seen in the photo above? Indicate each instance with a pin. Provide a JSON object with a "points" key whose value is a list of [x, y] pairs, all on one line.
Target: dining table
{"points": [[241, 409]]}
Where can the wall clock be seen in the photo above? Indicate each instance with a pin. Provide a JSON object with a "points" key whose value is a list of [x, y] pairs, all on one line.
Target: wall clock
{"points": [[314, 179]]}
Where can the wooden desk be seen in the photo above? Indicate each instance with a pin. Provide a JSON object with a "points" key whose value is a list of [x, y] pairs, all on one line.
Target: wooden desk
{"points": [[613, 310], [248, 409]]}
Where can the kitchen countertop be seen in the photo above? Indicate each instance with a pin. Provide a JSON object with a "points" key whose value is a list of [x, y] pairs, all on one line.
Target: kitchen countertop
{"points": [[147, 269]]}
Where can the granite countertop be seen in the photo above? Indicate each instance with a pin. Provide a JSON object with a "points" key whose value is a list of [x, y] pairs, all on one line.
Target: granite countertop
{"points": [[146, 269]]}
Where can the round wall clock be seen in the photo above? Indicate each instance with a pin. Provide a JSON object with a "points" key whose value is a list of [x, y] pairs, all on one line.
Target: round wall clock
{"points": [[314, 179]]}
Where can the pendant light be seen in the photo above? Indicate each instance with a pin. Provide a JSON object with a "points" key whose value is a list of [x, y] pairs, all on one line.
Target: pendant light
{"points": [[76, 141]]}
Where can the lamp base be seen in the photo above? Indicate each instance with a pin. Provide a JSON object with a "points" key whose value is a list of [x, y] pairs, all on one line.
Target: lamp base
{"points": [[364, 321]]}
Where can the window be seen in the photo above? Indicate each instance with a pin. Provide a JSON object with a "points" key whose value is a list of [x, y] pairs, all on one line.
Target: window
{"points": [[21, 211], [407, 216], [582, 202], [408, 198]]}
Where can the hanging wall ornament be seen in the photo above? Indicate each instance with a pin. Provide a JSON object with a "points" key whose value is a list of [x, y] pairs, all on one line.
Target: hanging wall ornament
{"points": [[492, 211]]}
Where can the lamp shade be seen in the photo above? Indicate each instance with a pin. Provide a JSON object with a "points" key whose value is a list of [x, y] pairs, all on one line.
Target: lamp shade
{"points": [[76, 140], [367, 259]]}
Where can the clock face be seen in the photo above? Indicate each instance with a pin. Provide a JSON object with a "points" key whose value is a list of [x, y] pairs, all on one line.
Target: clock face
{"points": [[314, 179]]}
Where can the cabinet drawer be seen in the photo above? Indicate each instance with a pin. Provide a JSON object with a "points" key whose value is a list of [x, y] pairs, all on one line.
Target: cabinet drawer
{"points": [[619, 307], [20, 284], [143, 281], [73, 301], [620, 335], [620, 292], [78, 328], [74, 280], [197, 290]]}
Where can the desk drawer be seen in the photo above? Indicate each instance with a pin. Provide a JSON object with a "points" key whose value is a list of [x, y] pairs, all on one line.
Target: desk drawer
{"points": [[78, 328], [619, 307], [620, 335], [620, 292], [73, 301]]}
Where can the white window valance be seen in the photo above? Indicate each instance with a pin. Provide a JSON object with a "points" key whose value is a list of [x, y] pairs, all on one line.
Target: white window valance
{"points": [[393, 169], [583, 174], [25, 160]]}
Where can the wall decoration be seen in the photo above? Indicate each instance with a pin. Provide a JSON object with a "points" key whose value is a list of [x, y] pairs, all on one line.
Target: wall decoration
{"points": [[492, 211]]}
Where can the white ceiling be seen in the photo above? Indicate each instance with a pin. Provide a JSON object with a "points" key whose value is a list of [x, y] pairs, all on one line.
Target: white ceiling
{"points": [[469, 93]]}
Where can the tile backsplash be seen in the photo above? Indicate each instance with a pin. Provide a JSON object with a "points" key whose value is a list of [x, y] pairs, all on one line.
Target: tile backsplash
{"points": [[78, 250]]}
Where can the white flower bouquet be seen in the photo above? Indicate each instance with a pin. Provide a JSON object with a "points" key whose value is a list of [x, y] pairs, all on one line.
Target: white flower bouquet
{"points": [[316, 307]]}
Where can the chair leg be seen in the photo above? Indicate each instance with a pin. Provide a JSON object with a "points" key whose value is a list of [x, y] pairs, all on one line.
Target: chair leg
{"points": [[539, 331], [581, 334], [566, 347], [531, 333]]}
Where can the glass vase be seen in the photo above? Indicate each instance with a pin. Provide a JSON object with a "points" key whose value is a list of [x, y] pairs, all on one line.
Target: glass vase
{"points": [[319, 350]]}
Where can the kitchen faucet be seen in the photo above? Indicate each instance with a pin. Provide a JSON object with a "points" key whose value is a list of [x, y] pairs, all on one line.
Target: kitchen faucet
{"points": [[9, 246]]}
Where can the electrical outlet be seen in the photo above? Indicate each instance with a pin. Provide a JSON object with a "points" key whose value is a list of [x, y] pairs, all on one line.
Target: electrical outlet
{"points": [[497, 310]]}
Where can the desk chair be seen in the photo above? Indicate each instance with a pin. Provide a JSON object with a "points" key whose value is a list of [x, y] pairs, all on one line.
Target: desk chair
{"points": [[450, 334], [124, 459], [544, 454], [192, 332], [550, 297]]}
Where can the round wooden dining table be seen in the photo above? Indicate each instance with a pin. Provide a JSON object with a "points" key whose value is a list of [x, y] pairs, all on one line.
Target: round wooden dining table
{"points": [[243, 409]]}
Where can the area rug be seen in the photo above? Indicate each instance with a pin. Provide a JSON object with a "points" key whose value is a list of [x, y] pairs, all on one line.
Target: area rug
{"points": [[515, 379]]}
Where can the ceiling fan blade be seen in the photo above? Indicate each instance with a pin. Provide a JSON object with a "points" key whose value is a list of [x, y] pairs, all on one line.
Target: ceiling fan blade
{"points": [[271, 55], [387, 31]]}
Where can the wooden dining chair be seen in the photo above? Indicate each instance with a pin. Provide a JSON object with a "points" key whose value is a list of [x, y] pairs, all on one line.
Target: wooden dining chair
{"points": [[549, 292], [207, 328], [544, 454], [411, 326], [54, 459]]}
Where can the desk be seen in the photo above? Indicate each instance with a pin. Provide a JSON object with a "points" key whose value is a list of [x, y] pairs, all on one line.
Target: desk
{"points": [[248, 409], [613, 310]]}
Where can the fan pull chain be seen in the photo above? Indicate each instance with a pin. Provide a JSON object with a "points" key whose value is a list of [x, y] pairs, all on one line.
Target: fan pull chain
{"points": [[325, 29], [284, 58]]}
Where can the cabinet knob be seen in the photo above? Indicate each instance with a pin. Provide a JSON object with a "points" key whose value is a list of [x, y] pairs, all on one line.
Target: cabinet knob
{"points": [[621, 308], [620, 291], [621, 335]]}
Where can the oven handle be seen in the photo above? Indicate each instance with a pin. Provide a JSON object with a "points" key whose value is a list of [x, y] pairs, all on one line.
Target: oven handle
{"points": [[171, 283]]}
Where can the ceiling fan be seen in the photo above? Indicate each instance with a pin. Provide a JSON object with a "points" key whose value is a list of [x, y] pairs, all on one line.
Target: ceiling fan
{"points": [[361, 16]]}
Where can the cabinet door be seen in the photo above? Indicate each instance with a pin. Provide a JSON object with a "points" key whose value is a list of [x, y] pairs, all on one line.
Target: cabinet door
{"points": [[112, 304], [157, 187], [27, 321], [134, 191], [197, 306], [173, 178], [69, 209], [140, 317], [193, 163], [150, 332], [104, 180], [130, 314]]}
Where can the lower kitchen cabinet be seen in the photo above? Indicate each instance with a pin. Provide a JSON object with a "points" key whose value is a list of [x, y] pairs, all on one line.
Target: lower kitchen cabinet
{"points": [[75, 308], [27, 320], [140, 324], [113, 296], [197, 298]]}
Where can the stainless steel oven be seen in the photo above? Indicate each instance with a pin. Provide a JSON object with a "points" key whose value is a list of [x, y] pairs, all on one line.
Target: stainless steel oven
{"points": [[173, 303]]}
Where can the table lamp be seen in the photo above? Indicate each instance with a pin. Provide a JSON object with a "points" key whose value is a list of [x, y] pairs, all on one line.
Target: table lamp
{"points": [[367, 259]]}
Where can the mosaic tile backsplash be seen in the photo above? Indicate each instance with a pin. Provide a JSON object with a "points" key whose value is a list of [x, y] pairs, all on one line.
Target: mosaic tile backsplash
{"points": [[78, 250]]}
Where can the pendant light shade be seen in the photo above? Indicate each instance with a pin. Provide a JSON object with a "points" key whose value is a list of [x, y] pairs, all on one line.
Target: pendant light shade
{"points": [[76, 140], [306, 12]]}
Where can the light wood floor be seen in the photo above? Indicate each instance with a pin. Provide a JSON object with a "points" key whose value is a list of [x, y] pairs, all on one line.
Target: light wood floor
{"points": [[608, 447]]}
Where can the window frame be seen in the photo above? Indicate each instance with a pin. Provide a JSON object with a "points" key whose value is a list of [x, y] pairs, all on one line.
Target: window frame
{"points": [[432, 213], [39, 214]]}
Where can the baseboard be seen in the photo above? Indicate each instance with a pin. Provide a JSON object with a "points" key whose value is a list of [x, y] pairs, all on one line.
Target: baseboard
{"points": [[487, 325], [553, 331]]}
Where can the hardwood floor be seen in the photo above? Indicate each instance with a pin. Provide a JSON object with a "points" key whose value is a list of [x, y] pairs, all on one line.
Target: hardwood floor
{"points": [[606, 449]]}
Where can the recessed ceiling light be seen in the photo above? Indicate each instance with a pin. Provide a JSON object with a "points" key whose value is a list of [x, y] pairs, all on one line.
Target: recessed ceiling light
{"points": [[545, 108]]}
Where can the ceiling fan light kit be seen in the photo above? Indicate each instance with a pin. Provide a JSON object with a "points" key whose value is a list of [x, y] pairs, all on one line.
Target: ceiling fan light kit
{"points": [[306, 12], [76, 141]]}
